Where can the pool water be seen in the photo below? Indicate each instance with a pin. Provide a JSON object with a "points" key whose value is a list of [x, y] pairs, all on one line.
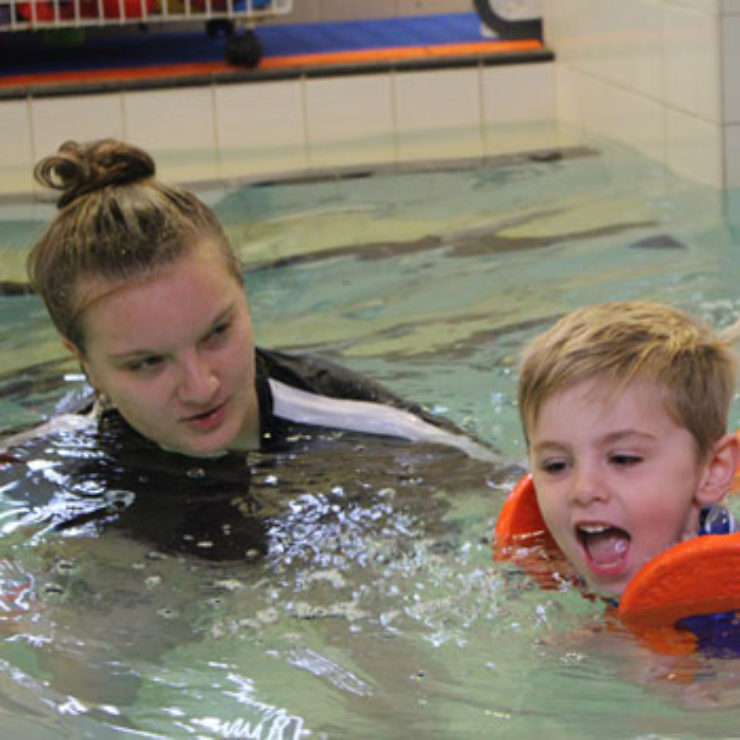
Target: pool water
{"points": [[378, 611]]}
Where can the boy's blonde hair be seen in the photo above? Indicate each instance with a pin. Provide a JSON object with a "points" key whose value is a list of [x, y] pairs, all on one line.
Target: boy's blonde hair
{"points": [[624, 341]]}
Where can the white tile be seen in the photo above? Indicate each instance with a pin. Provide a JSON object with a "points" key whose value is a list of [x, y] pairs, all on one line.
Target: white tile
{"points": [[642, 54], [730, 64], [513, 138], [260, 128], [694, 148], [349, 117], [618, 42], [567, 26], [433, 99], [731, 142], [569, 103], [524, 92], [692, 62], [633, 119], [84, 117], [16, 149], [576, 30], [708, 7], [438, 109], [177, 128]]}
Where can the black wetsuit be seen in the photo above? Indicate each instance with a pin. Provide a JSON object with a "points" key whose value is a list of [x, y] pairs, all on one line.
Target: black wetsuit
{"points": [[108, 476]]}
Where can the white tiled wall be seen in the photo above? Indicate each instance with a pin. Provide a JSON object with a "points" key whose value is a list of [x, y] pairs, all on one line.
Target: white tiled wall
{"points": [[349, 118], [16, 153], [659, 75], [264, 128]]}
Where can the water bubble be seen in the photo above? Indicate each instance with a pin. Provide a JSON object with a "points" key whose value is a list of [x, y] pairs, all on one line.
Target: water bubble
{"points": [[229, 584], [118, 499], [64, 567]]}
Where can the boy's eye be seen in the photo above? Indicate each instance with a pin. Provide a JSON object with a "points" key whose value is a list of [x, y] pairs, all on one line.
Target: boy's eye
{"points": [[625, 459], [553, 466]]}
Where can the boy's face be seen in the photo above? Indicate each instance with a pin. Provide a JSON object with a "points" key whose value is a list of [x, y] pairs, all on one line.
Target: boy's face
{"points": [[617, 478]]}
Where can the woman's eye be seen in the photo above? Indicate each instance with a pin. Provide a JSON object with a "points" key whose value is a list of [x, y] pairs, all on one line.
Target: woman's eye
{"points": [[218, 332], [144, 364]]}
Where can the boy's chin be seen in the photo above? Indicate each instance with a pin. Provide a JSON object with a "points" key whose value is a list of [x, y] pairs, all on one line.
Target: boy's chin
{"points": [[611, 592]]}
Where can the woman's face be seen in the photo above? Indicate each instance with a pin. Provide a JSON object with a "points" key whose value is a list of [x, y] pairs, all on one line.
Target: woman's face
{"points": [[174, 352]]}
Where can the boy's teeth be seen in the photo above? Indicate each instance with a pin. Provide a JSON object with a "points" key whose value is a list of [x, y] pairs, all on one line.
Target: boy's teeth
{"points": [[593, 528]]}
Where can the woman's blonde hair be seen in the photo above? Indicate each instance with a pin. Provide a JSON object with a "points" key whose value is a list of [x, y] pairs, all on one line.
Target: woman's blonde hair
{"points": [[116, 221], [621, 342]]}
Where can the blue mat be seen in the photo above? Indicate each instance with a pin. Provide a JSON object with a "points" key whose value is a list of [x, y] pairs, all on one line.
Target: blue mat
{"points": [[43, 52]]}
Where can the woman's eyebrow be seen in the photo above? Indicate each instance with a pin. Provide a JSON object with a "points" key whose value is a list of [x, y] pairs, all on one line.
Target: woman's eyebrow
{"points": [[222, 316], [139, 352]]}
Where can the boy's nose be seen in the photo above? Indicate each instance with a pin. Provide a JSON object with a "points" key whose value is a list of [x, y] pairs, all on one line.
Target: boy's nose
{"points": [[198, 382], [588, 486]]}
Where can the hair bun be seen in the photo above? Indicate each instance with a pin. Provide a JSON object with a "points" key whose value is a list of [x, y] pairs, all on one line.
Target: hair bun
{"points": [[77, 169]]}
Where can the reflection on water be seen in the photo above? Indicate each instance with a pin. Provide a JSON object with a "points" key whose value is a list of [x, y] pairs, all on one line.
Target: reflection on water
{"points": [[359, 598]]}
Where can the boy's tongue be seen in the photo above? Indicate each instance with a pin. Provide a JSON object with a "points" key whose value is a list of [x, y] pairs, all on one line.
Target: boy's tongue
{"points": [[607, 546]]}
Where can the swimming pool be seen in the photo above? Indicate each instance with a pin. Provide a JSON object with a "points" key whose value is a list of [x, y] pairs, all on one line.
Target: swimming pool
{"points": [[378, 612]]}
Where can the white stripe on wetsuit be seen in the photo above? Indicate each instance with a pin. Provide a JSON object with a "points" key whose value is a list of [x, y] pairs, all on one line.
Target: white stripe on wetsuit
{"points": [[304, 407]]}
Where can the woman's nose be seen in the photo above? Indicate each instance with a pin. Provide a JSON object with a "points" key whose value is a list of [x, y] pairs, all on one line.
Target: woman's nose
{"points": [[198, 381]]}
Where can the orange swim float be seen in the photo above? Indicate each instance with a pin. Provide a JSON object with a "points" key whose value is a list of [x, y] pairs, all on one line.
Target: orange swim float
{"points": [[692, 586]]}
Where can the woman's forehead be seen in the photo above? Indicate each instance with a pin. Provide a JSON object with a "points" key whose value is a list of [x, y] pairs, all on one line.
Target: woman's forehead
{"points": [[190, 287]]}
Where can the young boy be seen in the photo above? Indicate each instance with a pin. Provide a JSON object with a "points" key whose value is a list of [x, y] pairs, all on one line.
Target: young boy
{"points": [[625, 407]]}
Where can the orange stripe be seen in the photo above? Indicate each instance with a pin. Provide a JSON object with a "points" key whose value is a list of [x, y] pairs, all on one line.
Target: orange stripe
{"points": [[401, 53], [107, 75], [300, 60]]}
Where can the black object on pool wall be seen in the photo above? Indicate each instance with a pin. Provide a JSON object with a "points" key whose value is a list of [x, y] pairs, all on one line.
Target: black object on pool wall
{"points": [[528, 28]]}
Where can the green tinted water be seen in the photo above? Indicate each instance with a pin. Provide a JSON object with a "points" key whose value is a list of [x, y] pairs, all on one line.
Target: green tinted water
{"points": [[386, 617]]}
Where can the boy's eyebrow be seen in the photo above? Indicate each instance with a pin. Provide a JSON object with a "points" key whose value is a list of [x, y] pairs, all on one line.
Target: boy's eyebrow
{"points": [[546, 444], [609, 438], [622, 433]]}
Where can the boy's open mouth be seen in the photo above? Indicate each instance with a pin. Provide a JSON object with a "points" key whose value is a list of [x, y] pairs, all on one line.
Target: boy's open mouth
{"points": [[605, 546]]}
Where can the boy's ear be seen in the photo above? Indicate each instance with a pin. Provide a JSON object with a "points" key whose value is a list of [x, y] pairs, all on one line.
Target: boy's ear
{"points": [[721, 467]]}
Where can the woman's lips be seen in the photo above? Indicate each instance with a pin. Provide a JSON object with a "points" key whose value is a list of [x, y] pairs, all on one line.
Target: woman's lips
{"points": [[208, 420]]}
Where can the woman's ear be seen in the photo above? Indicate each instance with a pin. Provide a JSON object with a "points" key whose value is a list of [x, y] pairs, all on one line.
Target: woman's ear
{"points": [[72, 347], [84, 364], [720, 470]]}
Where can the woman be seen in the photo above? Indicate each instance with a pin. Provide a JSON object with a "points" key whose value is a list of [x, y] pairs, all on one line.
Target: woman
{"points": [[141, 283]]}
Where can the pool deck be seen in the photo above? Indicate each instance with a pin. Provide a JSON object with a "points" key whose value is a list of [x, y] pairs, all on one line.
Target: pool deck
{"points": [[100, 60]]}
